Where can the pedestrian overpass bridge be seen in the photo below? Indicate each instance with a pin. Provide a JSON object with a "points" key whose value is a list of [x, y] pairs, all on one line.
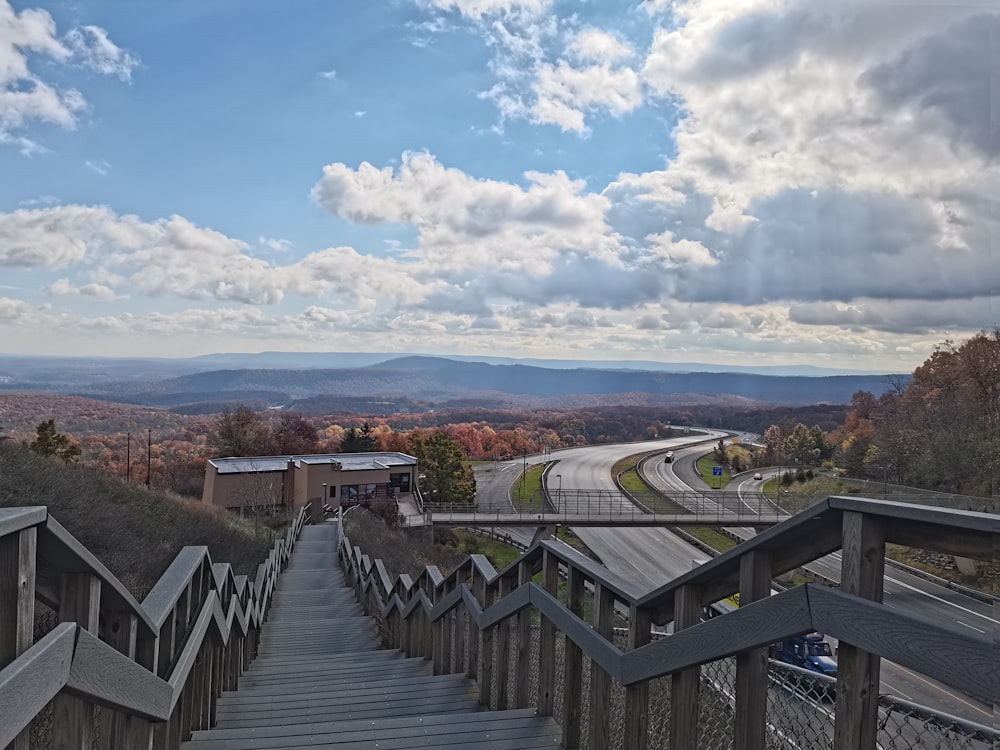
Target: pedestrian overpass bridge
{"points": [[612, 508]]}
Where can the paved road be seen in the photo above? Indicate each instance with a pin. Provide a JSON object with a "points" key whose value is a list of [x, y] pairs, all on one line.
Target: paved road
{"points": [[902, 590]]}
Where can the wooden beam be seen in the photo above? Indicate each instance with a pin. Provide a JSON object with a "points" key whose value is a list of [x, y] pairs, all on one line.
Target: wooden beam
{"points": [[17, 601], [572, 665], [28, 685], [637, 696], [503, 649], [600, 680], [486, 649], [120, 633], [862, 574], [685, 685], [751, 666], [521, 678], [72, 718], [547, 641]]}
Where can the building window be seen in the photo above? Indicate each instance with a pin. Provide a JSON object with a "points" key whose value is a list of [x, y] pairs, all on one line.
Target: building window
{"points": [[349, 494]]}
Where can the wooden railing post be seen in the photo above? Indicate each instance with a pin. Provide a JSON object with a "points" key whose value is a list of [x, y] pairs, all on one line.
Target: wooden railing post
{"points": [[573, 666], [862, 574], [472, 666], [461, 629], [522, 678], [73, 718], [121, 630], [684, 685], [637, 696], [17, 602], [600, 681], [486, 648], [503, 651], [751, 666], [547, 640]]}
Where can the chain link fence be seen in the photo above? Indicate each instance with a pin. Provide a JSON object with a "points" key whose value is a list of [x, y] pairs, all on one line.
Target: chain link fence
{"points": [[801, 705]]}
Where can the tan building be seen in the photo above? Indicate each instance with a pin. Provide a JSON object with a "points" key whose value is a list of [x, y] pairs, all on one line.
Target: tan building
{"points": [[279, 483]]}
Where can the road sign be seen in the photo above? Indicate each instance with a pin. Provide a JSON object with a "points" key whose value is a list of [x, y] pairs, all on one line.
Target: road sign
{"points": [[716, 471]]}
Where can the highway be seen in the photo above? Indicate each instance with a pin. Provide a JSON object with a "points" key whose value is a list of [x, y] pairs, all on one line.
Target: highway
{"points": [[649, 557], [902, 590]]}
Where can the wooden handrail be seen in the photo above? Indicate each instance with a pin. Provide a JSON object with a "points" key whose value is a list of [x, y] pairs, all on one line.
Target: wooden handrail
{"points": [[139, 660], [967, 661]]}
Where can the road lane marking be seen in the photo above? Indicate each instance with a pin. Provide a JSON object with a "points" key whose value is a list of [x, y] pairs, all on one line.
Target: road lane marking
{"points": [[943, 601], [971, 626], [897, 691], [946, 692]]}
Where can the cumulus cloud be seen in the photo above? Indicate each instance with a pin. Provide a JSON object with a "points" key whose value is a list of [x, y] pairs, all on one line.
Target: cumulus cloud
{"points": [[92, 47], [479, 9], [565, 94], [465, 222], [25, 98], [596, 45]]}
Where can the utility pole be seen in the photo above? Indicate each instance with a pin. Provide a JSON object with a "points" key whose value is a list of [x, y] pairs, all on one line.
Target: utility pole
{"points": [[149, 453], [128, 458]]}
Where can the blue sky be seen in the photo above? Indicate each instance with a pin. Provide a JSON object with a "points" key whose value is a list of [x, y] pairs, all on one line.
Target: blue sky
{"points": [[746, 182]]}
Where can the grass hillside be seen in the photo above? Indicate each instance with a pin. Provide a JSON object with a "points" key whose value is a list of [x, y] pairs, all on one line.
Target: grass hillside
{"points": [[136, 533]]}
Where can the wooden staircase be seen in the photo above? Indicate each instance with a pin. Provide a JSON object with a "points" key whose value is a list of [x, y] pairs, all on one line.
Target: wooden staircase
{"points": [[321, 679]]}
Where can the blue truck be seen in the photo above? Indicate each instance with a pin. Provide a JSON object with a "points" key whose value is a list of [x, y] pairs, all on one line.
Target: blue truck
{"points": [[810, 651]]}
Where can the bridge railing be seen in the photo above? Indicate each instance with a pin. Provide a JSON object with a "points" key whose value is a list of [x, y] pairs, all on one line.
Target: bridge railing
{"points": [[542, 633], [126, 674]]}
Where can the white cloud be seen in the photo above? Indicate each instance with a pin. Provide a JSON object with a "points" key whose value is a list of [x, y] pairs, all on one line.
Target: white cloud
{"points": [[328, 74], [360, 113], [92, 47], [24, 97], [479, 8], [100, 166], [565, 94], [595, 45], [275, 244]]}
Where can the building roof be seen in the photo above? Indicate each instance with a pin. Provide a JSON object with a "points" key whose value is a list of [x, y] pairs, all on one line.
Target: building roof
{"points": [[345, 461]]}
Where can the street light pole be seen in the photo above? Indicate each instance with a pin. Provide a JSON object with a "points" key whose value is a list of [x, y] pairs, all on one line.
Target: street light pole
{"points": [[559, 492], [149, 453], [128, 457]]}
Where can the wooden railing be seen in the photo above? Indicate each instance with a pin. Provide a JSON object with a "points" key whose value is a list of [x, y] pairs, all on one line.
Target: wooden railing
{"points": [[138, 675], [483, 622]]}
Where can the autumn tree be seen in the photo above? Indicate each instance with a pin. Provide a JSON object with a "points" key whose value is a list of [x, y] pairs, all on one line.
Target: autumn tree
{"points": [[293, 435], [445, 477], [241, 433], [50, 442]]}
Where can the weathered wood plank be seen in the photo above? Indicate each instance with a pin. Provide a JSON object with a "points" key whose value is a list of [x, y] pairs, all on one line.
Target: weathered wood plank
{"points": [[72, 718], [751, 666], [13, 520], [758, 624], [600, 680], [573, 665], [685, 684], [121, 629], [523, 656], [109, 678], [503, 635], [967, 661], [28, 684], [637, 695], [547, 641], [862, 574]]}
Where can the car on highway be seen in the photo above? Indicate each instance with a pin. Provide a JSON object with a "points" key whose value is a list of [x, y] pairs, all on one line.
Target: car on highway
{"points": [[758, 476]]}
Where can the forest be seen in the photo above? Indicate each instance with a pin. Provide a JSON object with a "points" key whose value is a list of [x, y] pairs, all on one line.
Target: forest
{"points": [[937, 430]]}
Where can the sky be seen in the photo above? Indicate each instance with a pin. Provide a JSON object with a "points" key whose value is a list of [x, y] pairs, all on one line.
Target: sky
{"points": [[741, 182]]}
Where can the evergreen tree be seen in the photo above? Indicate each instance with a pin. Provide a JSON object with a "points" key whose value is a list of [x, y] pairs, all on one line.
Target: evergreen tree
{"points": [[446, 478], [50, 442]]}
